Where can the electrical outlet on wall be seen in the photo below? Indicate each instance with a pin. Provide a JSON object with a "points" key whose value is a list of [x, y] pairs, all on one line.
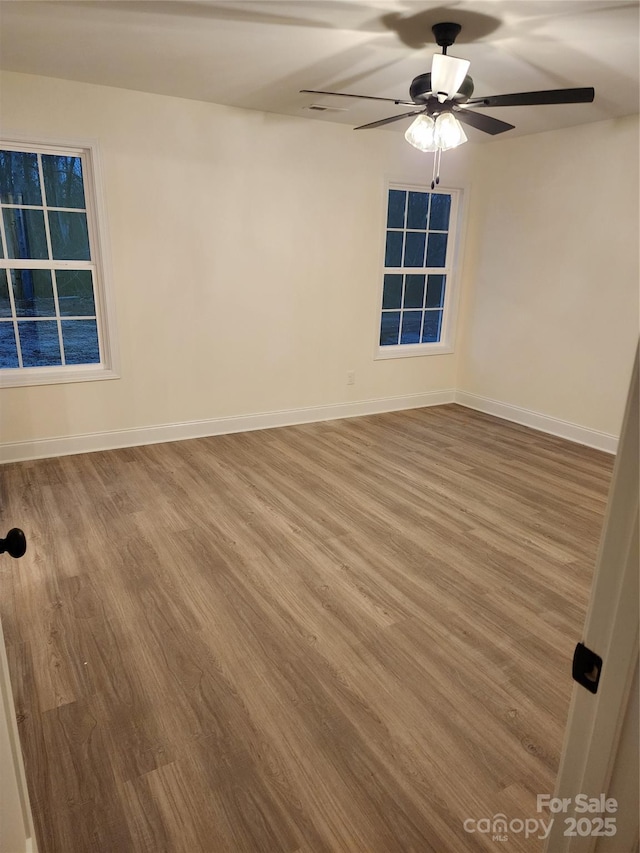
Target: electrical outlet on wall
{"points": [[351, 377]]}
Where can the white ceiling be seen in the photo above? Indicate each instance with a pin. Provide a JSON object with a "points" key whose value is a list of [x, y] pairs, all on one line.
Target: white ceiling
{"points": [[258, 54]]}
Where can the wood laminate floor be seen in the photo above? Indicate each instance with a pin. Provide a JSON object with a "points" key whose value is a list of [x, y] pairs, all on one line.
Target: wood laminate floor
{"points": [[344, 637]]}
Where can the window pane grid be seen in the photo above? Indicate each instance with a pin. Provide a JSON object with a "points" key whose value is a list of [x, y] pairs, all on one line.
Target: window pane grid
{"points": [[45, 246], [75, 324], [85, 327], [72, 239], [417, 267]]}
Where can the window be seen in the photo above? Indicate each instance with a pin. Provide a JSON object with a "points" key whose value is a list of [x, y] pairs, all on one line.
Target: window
{"points": [[417, 301], [53, 308]]}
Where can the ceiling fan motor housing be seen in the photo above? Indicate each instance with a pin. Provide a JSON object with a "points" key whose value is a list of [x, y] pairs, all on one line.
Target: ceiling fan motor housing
{"points": [[420, 89]]}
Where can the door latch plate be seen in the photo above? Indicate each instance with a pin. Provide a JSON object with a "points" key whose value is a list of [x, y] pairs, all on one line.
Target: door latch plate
{"points": [[587, 666]]}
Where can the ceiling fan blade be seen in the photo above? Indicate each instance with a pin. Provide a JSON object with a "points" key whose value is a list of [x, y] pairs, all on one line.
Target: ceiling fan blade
{"points": [[388, 120], [447, 75], [347, 95], [488, 124], [548, 96]]}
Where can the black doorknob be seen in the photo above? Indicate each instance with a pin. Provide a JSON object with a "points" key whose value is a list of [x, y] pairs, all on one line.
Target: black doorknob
{"points": [[15, 543]]}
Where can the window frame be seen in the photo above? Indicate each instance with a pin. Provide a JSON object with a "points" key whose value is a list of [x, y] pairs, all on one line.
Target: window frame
{"points": [[108, 367], [450, 306]]}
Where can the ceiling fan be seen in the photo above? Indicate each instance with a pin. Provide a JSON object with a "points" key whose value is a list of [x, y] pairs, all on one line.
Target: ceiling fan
{"points": [[443, 98]]}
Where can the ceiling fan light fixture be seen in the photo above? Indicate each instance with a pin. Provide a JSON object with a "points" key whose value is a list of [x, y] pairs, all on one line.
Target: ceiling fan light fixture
{"points": [[448, 132], [421, 133], [447, 75]]}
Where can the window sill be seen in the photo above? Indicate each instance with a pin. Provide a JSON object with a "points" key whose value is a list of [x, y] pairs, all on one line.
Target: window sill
{"points": [[16, 378], [412, 350]]}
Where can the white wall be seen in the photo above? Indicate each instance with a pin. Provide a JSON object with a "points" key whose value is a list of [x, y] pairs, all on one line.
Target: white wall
{"points": [[552, 322], [246, 251]]}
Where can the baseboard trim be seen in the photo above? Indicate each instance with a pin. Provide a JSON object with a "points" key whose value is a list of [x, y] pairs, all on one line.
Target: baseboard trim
{"points": [[544, 423], [21, 451]]}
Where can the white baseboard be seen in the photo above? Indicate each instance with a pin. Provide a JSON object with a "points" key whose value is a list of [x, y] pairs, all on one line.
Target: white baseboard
{"points": [[21, 451], [554, 426]]}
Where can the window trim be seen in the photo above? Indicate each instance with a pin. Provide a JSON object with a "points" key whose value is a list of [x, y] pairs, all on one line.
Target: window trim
{"points": [[445, 345], [109, 367]]}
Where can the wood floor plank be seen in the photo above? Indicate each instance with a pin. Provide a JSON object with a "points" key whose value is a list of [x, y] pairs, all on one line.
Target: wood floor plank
{"points": [[343, 637], [165, 814]]}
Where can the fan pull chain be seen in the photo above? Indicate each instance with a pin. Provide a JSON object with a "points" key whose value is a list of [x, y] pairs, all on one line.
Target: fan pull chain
{"points": [[435, 180]]}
